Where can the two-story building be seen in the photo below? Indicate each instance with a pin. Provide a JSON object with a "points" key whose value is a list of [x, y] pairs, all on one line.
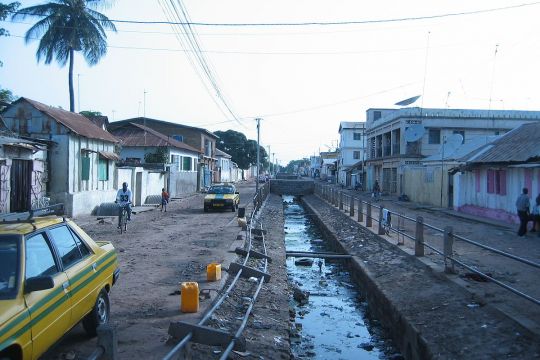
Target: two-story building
{"points": [[201, 139], [225, 167], [352, 145], [81, 155], [399, 139]]}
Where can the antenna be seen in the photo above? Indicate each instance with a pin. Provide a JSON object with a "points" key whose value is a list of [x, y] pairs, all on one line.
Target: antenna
{"points": [[414, 132]]}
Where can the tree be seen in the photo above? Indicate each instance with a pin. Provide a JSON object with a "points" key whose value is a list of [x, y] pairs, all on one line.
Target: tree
{"points": [[68, 26], [90, 113], [5, 9], [243, 151], [6, 97], [293, 165]]}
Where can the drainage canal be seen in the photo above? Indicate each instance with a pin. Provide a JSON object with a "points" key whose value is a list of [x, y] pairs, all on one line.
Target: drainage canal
{"points": [[329, 317]]}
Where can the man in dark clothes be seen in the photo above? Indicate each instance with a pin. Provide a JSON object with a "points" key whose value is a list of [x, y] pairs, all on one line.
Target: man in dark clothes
{"points": [[523, 209]]}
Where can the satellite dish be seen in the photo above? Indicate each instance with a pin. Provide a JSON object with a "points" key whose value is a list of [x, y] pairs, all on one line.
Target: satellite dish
{"points": [[414, 132], [408, 101], [451, 143]]}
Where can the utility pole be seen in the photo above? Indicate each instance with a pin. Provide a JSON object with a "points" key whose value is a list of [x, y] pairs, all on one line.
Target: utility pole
{"points": [[258, 153], [269, 159], [79, 91], [274, 163], [144, 115]]}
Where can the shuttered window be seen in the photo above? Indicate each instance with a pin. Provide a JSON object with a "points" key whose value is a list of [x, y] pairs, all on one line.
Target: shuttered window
{"points": [[496, 182], [85, 168], [490, 181], [186, 163], [103, 169], [477, 180]]}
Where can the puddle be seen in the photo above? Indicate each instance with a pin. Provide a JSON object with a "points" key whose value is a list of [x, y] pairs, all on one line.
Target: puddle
{"points": [[331, 323]]}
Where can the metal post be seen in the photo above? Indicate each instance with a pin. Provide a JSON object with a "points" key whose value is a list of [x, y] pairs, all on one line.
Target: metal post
{"points": [[341, 200], [419, 237], [381, 228], [258, 120], [351, 207], [369, 221], [448, 250], [360, 211]]}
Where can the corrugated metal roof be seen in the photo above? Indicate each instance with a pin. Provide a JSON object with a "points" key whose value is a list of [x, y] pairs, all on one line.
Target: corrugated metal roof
{"points": [[149, 122], [134, 135], [77, 123], [222, 154], [519, 145]]}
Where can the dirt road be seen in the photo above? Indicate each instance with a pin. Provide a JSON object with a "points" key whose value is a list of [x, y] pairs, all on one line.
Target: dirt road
{"points": [[159, 251]]}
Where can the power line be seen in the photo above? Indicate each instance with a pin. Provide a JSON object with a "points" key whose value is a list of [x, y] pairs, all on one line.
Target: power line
{"points": [[327, 23]]}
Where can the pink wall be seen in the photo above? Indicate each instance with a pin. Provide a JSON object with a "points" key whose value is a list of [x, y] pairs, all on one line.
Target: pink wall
{"points": [[496, 214]]}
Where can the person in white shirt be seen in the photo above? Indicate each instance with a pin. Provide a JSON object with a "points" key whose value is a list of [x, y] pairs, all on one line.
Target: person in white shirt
{"points": [[123, 199]]}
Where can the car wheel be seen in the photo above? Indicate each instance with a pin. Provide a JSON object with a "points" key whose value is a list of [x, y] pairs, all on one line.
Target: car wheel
{"points": [[99, 314]]}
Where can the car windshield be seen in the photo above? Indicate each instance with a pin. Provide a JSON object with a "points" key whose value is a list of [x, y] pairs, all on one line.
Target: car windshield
{"points": [[9, 265], [221, 190]]}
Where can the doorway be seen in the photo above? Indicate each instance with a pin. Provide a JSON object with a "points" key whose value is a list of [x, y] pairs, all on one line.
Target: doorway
{"points": [[20, 185]]}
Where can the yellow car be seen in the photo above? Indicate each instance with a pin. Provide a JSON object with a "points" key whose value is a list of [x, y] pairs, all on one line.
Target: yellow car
{"points": [[221, 196], [52, 276]]}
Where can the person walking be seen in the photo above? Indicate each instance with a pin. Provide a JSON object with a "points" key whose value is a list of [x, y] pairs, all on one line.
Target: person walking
{"points": [[376, 190], [523, 209], [164, 199]]}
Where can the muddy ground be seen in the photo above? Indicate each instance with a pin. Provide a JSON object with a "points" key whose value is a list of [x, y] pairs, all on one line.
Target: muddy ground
{"points": [[159, 251]]}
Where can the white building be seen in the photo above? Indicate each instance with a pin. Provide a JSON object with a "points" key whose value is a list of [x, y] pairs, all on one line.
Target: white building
{"points": [[224, 166], [352, 147], [315, 166], [391, 153]]}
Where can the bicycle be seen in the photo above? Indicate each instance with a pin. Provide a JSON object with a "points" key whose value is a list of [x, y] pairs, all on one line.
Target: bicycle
{"points": [[123, 218]]}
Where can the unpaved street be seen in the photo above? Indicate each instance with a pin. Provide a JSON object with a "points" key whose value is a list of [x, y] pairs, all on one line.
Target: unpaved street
{"points": [[159, 251]]}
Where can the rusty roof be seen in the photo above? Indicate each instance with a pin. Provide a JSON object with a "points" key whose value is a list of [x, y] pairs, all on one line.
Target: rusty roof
{"points": [[150, 122], [134, 135], [77, 123], [520, 145]]}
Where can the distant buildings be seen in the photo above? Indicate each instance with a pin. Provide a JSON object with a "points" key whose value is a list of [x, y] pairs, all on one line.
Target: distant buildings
{"points": [[352, 153]]}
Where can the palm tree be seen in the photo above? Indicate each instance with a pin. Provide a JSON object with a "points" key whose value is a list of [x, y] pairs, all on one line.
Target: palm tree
{"points": [[68, 26]]}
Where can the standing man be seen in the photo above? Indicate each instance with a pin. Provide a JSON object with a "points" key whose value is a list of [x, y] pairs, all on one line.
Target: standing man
{"points": [[123, 199], [523, 209]]}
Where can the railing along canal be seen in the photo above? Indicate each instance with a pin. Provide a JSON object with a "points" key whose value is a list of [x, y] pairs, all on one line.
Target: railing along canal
{"points": [[384, 218]]}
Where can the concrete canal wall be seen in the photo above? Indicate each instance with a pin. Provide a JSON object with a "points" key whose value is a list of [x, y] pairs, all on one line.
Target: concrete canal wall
{"points": [[292, 187], [427, 315]]}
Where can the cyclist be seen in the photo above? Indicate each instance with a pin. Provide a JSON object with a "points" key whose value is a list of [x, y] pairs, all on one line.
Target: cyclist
{"points": [[123, 199]]}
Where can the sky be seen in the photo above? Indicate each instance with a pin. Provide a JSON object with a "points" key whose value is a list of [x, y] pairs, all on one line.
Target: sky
{"points": [[301, 80]]}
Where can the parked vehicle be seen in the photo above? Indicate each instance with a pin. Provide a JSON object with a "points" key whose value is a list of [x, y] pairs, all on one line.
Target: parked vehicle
{"points": [[52, 276], [221, 196]]}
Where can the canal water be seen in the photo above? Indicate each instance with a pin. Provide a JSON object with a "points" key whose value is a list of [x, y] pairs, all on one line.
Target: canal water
{"points": [[332, 322]]}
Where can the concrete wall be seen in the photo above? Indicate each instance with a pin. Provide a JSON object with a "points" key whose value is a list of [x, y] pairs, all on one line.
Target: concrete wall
{"points": [[292, 187], [182, 183]]}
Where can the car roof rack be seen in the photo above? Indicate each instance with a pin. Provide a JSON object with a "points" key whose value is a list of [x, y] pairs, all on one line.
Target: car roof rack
{"points": [[31, 215]]}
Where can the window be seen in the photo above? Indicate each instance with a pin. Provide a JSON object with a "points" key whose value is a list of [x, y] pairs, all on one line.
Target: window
{"points": [[376, 115], [175, 159], [178, 138], [356, 155], [462, 133], [496, 182], [39, 258], [434, 136], [207, 148], [103, 169], [68, 248], [186, 163], [357, 136], [85, 168]]}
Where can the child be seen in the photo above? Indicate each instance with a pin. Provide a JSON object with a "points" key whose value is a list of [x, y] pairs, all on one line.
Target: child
{"points": [[164, 199]]}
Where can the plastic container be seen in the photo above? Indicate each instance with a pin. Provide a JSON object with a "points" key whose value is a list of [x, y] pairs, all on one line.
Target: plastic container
{"points": [[189, 297], [241, 212], [213, 272]]}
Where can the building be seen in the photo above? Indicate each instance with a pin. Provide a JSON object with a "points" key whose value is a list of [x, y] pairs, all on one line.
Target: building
{"points": [[23, 174], [81, 158], [142, 146], [399, 139], [352, 145], [315, 166], [493, 176], [329, 161], [224, 167], [201, 139]]}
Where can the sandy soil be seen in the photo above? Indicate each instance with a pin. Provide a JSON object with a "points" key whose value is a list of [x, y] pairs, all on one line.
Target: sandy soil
{"points": [[159, 251]]}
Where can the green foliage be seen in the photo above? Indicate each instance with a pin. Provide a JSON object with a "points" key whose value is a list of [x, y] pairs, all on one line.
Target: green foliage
{"points": [[293, 165], [90, 113], [242, 150], [66, 26], [161, 156], [6, 96]]}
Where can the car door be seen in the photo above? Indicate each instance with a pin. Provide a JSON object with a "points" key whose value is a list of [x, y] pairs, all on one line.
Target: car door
{"points": [[49, 309], [79, 265]]}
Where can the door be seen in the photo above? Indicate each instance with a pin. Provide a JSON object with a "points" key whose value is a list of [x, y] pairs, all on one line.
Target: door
{"points": [[138, 189], [20, 185], [80, 268], [450, 191], [50, 310]]}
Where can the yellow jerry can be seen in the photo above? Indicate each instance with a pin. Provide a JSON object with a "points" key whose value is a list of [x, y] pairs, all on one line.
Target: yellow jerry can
{"points": [[189, 297]]}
